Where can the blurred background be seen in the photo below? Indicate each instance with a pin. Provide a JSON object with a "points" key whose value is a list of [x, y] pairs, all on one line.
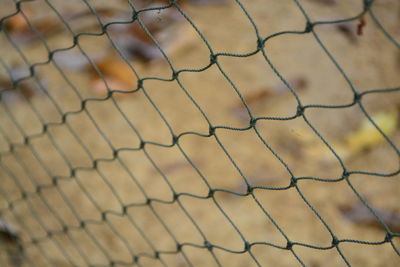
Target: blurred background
{"points": [[199, 133]]}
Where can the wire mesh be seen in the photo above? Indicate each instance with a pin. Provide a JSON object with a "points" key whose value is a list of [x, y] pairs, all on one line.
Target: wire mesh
{"points": [[63, 219]]}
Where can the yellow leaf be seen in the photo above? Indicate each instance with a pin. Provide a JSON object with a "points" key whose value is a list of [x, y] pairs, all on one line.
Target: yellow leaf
{"points": [[368, 136]]}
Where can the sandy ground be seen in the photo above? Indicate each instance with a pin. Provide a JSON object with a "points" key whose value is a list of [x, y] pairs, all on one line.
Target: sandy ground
{"points": [[111, 197]]}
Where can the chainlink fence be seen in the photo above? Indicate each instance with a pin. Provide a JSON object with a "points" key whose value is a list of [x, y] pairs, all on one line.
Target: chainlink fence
{"points": [[133, 133]]}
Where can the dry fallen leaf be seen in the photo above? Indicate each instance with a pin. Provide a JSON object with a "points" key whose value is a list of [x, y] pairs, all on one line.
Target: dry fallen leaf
{"points": [[360, 214], [349, 30], [16, 23], [367, 136], [361, 25], [9, 241], [23, 32], [8, 231], [167, 27], [257, 99], [116, 72]]}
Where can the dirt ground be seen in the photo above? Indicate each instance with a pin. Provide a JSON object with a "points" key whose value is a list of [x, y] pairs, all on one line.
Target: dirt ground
{"points": [[85, 192]]}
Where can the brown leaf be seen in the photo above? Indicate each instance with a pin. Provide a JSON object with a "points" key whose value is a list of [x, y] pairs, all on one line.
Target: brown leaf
{"points": [[117, 74], [361, 25], [262, 95], [8, 232], [18, 26], [10, 242], [259, 96], [16, 23], [360, 214], [349, 30], [23, 33], [165, 26]]}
